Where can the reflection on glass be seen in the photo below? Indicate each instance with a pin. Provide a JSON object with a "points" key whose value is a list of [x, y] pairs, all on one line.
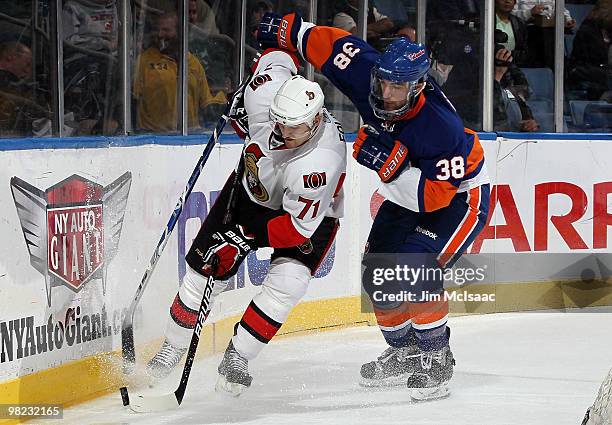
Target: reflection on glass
{"points": [[24, 70], [337, 103], [386, 20], [90, 31], [453, 35], [537, 20], [213, 37], [155, 80], [588, 90], [511, 91]]}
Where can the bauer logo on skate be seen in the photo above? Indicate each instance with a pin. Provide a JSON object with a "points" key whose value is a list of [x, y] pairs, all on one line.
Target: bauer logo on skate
{"points": [[72, 229]]}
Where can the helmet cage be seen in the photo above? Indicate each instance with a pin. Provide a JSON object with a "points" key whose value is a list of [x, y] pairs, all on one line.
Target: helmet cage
{"points": [[412, 90]]}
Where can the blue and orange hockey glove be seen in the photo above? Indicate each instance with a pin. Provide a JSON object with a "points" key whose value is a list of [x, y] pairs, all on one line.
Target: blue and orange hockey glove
{"points": [[279, 32], [379, 152]]}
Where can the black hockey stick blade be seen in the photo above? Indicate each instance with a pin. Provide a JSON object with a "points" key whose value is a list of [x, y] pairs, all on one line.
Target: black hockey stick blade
{"points": [[127, 348], [125, 397]]}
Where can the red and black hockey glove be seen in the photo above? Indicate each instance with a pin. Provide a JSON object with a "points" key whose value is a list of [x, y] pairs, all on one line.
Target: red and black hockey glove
{"points": [[279, 32], [379, 152], [230, 245]]}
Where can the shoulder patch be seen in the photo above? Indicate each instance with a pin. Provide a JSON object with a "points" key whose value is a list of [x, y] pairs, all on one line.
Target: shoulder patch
{"points": [[259, 80], [314, 180]]}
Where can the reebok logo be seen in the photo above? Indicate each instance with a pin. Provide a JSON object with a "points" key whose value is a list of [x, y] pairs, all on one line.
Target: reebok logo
{"points": [[426, 232]]}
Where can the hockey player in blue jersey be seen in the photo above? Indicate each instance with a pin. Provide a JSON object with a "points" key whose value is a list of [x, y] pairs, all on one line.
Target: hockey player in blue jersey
{"points": [[433, 177]]}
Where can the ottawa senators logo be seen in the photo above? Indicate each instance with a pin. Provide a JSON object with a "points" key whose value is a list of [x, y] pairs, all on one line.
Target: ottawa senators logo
{"points": [[251, 156], [259, 80], [314, 180]]}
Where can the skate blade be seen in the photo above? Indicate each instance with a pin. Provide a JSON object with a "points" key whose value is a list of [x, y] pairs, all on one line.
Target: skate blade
{"points": [[392, 381], [229, 388], [428, 394]]}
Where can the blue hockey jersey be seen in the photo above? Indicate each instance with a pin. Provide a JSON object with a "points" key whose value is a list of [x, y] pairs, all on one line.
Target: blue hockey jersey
{"points": [[445, 157]]}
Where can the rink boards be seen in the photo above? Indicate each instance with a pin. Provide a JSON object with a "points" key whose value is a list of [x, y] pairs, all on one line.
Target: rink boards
{"points": [[80, 225]]}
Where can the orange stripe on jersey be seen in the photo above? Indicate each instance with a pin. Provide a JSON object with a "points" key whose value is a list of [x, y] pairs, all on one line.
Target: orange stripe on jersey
{"points": [[320, 44], [476, 155], [393, 317], [283, 37], [429, 312], [437, 194], [464, 230], [411, 113]]}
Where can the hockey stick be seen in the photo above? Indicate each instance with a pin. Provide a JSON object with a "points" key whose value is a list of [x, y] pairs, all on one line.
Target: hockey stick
{"points": [[127, 327], [144, 404]]}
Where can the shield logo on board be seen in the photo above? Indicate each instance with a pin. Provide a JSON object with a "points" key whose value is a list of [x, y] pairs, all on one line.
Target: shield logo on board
{"points": [[71, 229]]}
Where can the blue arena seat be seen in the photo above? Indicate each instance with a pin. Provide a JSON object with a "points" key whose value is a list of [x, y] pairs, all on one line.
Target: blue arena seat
{"points": [[598, 117], [577, 108], [541, 83]]}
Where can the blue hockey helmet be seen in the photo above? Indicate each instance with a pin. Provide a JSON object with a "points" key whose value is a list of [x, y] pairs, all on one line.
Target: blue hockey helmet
{"points": [[397, 78]]}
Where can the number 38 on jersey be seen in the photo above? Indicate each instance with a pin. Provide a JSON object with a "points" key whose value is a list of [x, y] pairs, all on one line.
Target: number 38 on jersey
{"points": [[455, 168], [343, 59]]}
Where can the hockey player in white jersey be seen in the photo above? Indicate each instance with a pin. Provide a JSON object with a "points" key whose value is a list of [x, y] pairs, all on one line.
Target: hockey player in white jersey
{"points": [[290, 199]]}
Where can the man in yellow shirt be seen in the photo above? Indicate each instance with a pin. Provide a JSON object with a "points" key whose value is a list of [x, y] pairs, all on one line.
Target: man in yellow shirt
{"points": [[156, 80]]}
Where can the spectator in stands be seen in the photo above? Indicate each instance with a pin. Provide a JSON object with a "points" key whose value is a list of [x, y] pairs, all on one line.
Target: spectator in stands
{"points": [[514, 28], [347, 16], [202, 16], [213, 49], [453, 37], [511, 87], [510, 92], [590, 66], [90, 30], [19, 106], [155, 82], [256, 11], [528, 10], [540, 17]]}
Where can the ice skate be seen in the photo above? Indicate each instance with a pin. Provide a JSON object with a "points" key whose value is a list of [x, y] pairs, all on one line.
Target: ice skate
{"points": [[165, 361], [391, 368], [430, 380], [233, 370]]}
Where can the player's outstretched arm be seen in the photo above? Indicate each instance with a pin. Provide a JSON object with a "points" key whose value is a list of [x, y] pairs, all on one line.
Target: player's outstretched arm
{"points": [[343, 58]]}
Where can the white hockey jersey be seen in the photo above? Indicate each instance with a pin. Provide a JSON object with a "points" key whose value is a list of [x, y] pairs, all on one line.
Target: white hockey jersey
{"points": [[306, 181], [91, 24]]}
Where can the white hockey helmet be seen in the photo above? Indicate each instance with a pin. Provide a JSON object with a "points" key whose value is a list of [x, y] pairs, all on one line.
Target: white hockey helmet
{"points": [[298, 101]]}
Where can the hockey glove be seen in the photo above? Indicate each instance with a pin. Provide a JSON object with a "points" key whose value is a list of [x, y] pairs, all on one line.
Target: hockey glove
{"points": [[278, 32], [379, 152], [239, 119], [230, 245]]}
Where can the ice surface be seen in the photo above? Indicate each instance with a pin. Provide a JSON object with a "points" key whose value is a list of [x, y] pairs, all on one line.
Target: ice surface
{"points": [[517, 368]]}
